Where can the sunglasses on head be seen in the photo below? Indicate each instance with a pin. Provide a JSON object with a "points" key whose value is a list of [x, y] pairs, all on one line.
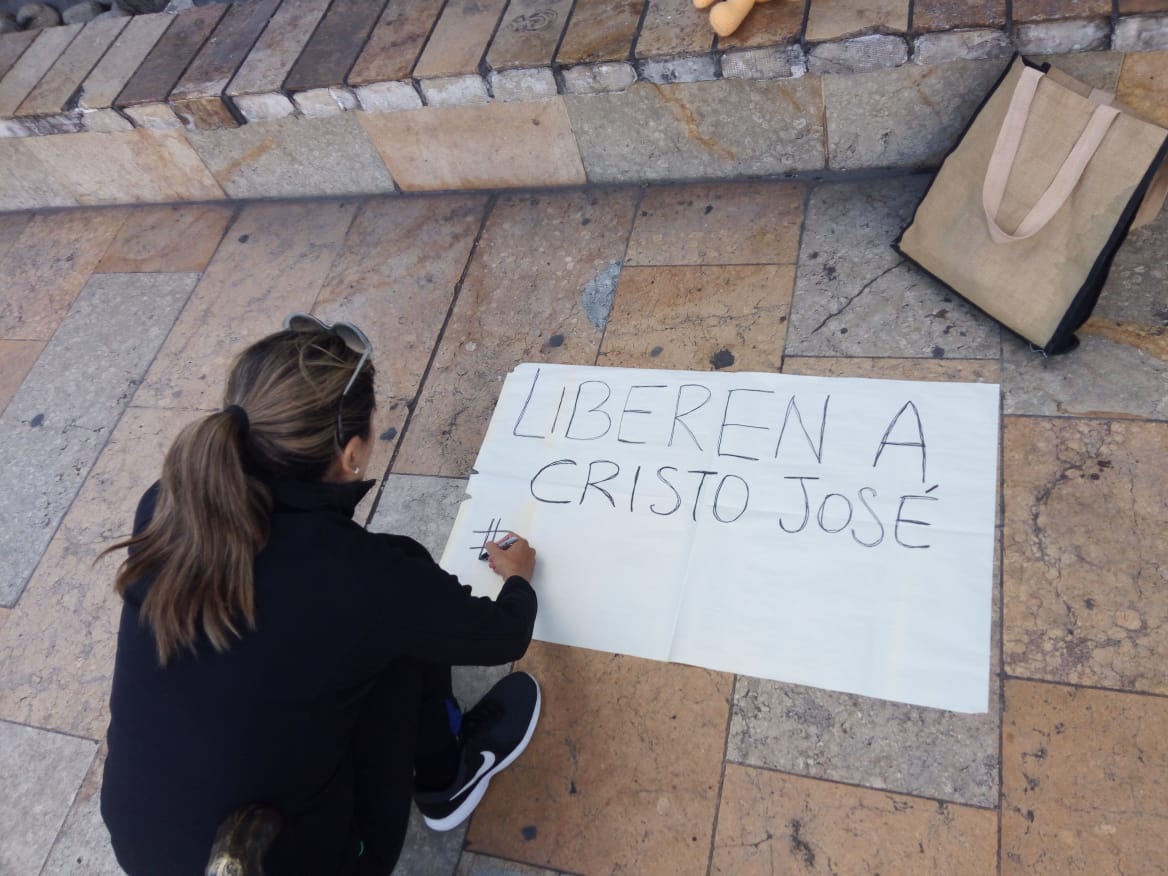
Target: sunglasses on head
{"points": [[355, 339]]}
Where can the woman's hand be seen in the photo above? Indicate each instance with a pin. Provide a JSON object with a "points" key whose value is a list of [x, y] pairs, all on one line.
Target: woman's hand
{"points": [[518, 559]]}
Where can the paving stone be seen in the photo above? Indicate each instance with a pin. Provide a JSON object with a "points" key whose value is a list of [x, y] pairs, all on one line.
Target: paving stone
{"points": [[672, 27], [1141, 33], [318, 103], [1097, 69], [769, 24], [1054, 10], [102, 86], [782, 62], [32, 64], [133, 167], [599, 78], [12, 225], [1121, 366], [718, 224], [396, 42], [272, 263], [965, 370], [504, 145], [935, 15], [837, 19], [855, 296], [395, 276], [180, 239], [1083, 774], [28, 183], [772, 823], [1143, 85], [58, 86], [600, 30], [84, 842], [293, 158], [670, 70], [148, 87], [12, 46], [460, 38], [257, 85], [47, 266], [197, 98], [1127, 7], [40, 772], [1080, 603], [906, 117], [858, 55], [59, 646], [388, 97], [528, 34], [481, 865], [447, 91], [566, 803], [153, 116], [57, 423], [520, 85], [16, 358], [542, 250], [701, 129], [689, 318], [334, 46], [961, 45], [1059, 37]]}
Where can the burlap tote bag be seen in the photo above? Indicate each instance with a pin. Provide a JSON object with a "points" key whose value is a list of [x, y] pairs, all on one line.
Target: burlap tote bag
{"points": [[1026, 213]]}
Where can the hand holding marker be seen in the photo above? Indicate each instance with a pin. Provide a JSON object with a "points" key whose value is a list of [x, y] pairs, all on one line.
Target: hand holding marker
{"points": [[509, 556]]}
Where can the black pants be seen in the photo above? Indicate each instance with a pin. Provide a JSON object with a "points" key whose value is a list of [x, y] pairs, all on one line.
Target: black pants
{"points": [[405, 722]]}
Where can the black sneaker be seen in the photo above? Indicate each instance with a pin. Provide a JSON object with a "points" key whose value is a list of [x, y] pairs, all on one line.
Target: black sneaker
{"points": [[494, 733]]}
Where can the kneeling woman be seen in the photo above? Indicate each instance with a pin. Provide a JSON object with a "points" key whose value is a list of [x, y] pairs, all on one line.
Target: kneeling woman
{"points": [[274, 652]]}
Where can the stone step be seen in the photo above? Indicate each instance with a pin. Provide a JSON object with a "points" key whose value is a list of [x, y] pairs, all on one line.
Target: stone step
{"points": [[290, 98]]}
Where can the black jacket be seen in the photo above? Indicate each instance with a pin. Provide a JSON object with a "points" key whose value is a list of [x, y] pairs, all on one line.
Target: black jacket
{"points": [[271, 719]]}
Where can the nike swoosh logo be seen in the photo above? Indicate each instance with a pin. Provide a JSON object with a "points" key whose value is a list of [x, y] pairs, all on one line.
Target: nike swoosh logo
{"points": [[488, 762]]}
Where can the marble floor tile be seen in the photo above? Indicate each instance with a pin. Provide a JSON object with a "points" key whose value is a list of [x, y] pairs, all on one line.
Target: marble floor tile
{"points": [[539, 289], [933, 15], [272, 263], [600, 30], [83, 845], [839, 19], [396, 42], [718, 224], [12, 225], [1084, 558], [168, 59], [16, 358], [395, 277], [274, 53], [32, 64], [482, 865], [107, 79], [57, 86], [334, 45], [58, 646], [47, 266], [40, 772], [57, 423], [671, 27], [698, 318], [601, 788], [460, 38], [29, 183], [528, 34], [179, 238], [965, 370], [855, 296], [1083, 777], [1143, 84], [12, 46], [771, 823]]}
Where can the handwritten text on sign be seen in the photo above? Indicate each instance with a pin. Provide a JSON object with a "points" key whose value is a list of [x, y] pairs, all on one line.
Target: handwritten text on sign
{"points": [[821, 531]]}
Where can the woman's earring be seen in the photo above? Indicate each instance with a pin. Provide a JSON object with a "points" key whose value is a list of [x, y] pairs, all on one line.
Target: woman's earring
{"points": [[356, 470]]}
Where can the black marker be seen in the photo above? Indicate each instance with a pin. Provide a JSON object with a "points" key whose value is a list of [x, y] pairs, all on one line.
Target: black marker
{"points": [[503, 545]]}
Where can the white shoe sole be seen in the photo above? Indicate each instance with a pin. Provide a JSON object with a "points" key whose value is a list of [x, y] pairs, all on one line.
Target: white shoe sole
{"points": [[462, 813]]}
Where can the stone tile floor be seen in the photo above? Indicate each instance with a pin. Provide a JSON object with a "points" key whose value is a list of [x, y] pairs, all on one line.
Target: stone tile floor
{"points": [[115, 328]]}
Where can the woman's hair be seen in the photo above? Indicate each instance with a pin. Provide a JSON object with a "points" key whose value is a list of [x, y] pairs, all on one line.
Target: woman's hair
{"points": [[214, 504]]}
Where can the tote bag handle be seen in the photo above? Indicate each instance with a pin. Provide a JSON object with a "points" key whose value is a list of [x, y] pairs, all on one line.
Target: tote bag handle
{"points": [[1006, 151]]}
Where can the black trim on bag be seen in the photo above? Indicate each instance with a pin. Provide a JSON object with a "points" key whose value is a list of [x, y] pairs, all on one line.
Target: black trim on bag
{"points": [[1083, 303]]}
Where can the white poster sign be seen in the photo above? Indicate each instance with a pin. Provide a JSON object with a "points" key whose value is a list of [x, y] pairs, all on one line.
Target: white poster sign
{"points": [[823, 531]]}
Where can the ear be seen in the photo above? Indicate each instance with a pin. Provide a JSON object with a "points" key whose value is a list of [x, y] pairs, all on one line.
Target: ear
{"points": [[351, 455]]}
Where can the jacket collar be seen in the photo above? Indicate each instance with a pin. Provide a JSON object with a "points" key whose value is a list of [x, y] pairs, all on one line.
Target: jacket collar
{"points": [[319, 495]]}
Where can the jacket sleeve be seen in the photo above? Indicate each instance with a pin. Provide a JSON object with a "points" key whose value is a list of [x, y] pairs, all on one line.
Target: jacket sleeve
{"points": [[436, 618]]}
